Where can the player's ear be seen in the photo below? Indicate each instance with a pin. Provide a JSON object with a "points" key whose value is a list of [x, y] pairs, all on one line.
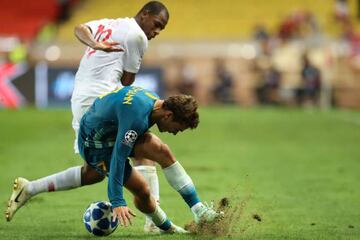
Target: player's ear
{"points": [[168, 114], [144, 15]]}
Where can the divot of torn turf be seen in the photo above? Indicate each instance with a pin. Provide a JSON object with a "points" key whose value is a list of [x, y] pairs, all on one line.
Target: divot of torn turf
{"points": [[224, 226]]}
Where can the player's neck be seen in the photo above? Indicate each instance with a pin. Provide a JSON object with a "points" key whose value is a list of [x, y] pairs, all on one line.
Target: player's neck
{"points": [[157, 112], [137, 19]]}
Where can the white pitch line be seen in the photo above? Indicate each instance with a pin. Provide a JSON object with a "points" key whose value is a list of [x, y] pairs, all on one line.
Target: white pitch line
{"points": [[348, 119]]}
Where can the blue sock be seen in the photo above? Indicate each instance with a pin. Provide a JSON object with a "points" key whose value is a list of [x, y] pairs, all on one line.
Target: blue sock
{"points": [[189, 194], [165, 226]]}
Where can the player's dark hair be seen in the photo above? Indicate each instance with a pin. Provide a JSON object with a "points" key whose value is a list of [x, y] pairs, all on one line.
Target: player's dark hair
{"points": [[184, 108], [154, 8]]}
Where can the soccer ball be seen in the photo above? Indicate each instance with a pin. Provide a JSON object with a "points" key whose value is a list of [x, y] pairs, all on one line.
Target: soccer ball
{"points": [[98, 219]]}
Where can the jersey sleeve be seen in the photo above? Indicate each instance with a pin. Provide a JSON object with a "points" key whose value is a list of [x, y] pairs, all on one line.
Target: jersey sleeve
{"points": [[125, 140], [136, 46]]}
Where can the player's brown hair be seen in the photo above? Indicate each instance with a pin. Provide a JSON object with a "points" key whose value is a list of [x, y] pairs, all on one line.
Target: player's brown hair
{"points": [[184, 108]]}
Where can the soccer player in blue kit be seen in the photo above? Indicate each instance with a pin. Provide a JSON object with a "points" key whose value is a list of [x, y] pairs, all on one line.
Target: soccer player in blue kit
{"points": [[115, 128]]}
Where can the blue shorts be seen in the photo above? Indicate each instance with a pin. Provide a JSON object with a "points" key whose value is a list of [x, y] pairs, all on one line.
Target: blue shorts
{"points": [[100, 159]]}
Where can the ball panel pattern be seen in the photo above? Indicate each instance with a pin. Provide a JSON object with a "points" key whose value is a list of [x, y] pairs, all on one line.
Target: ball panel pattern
{"points": [[98, 219]]}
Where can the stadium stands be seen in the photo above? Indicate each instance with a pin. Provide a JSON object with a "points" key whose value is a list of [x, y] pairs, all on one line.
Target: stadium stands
{"points": [[207, 19], [199, 32], [25, 18]]}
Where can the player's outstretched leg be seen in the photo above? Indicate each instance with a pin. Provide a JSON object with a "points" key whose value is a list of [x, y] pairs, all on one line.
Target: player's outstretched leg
{"points": [[143, 200], [151, 147], [24, 189], [68, 179]]}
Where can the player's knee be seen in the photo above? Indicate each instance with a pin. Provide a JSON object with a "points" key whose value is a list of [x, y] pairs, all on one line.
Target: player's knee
{"points": [[165, 157], [150, 146], [158, 146], [164, 150], [90, 176], [98, 178]]}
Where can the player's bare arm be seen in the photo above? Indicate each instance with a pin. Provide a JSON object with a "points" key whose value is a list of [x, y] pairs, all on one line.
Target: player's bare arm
{"points": [[127, 78], [84, 34]]}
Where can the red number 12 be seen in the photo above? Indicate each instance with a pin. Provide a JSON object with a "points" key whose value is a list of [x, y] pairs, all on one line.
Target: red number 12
{"points": [[101, 35]]}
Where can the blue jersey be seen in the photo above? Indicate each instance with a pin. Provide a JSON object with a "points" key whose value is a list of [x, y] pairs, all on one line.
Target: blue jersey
{"points": [[110, 127]]}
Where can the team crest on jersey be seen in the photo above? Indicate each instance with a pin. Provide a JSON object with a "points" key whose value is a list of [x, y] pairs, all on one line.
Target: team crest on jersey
{"points": [[130, 138]]}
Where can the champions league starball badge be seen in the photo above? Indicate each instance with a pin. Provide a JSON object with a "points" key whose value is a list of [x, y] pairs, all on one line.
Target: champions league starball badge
{"points": [[130, 138]]}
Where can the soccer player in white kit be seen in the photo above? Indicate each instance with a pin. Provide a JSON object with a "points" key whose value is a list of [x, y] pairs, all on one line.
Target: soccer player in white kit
{"points": [[112, 59]]}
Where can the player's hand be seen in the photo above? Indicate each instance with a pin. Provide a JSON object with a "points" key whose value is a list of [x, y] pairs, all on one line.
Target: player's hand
{"points": [[124, 214], [108, 47]]}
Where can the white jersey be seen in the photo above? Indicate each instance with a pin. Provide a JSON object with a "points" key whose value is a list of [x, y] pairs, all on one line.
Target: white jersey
{"points": [[100, 72]]}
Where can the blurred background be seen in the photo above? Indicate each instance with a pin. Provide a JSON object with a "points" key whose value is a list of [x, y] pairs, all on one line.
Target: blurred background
{"points": [[298, 53]]}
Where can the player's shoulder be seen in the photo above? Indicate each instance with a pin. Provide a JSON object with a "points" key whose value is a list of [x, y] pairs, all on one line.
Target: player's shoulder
{"points": [[136, 34], [102, 21], [140, 95]]}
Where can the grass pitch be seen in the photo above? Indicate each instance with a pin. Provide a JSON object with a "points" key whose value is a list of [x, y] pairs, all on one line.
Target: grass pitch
{"points": [[296, 171]]}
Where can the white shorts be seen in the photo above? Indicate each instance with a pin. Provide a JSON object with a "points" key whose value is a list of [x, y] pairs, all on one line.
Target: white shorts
{"points": [[78, 110]]}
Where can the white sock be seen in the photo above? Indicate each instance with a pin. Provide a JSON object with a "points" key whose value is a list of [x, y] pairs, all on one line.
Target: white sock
{"points": [[151, 177], [181, 182], [68, 179], [177, 176]]}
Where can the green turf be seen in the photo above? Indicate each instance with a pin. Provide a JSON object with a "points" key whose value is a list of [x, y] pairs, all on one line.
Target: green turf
{"points": [[299, 170]]}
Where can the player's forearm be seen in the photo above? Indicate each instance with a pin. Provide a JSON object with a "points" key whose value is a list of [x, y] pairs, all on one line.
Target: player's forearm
{"points": [[116, 175], [115, 189], [83, 33], [116, 196]]}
